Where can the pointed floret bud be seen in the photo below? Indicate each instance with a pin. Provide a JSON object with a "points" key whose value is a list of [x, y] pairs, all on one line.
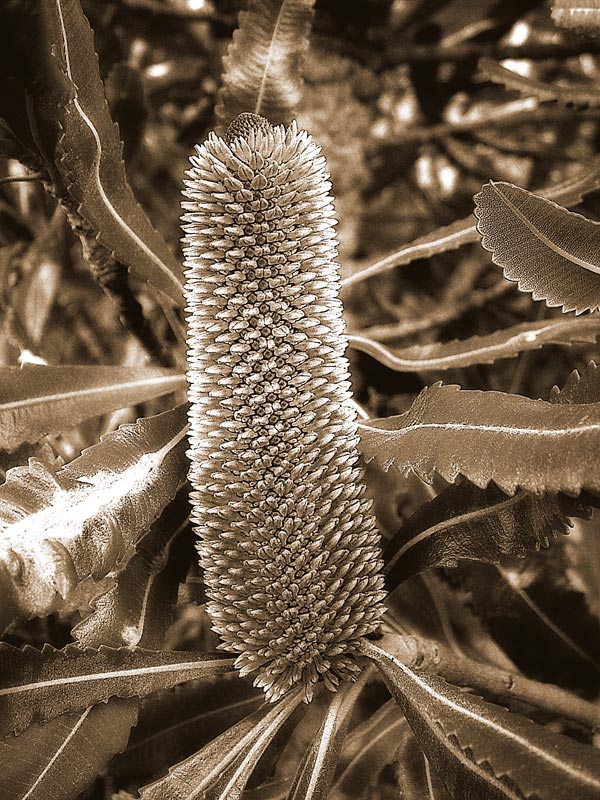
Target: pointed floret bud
{"points": [[288, 542]]}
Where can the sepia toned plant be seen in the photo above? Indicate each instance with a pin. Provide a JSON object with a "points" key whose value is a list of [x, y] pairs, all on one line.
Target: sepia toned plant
{"points": [[289, 545]]}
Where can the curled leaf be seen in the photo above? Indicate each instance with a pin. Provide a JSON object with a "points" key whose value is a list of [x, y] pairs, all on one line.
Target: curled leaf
{"points": [[506, 343], [549, 251], [58, 528]]}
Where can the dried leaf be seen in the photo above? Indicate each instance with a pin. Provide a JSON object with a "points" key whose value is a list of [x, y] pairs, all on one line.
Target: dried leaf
{"points": [[263, 63], [221, 769], [32, 682], [506, 343], [483, 750], [549, 251], [37, 400], [58, 528], [578, 94], [490, 436]]}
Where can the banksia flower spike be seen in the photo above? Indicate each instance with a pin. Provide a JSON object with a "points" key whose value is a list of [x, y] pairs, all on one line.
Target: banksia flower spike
{"points": [[288, 543]]}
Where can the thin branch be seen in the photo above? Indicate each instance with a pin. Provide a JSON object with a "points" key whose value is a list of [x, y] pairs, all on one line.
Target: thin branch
{"points": [[33, 176], [426, 655], [467, 51]]}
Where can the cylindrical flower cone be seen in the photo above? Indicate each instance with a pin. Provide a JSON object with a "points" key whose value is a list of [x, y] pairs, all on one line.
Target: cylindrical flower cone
{"points": [[288, 543]]}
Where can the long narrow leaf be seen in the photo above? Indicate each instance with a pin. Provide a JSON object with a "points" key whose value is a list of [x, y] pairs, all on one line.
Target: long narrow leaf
{"points": [[506, 343], [33, 683], [483, 750], [262, 67], [491, 436], [37, 400]]}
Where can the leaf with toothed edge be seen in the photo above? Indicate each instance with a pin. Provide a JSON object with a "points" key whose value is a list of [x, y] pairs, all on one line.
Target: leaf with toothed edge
{"points": [[220, 770], [262, 65], [575, 94], [483, 750], [38, 400], [92, 512], [505, 343], [33, 682], [490, 436], [58, 68], [549, 251]]}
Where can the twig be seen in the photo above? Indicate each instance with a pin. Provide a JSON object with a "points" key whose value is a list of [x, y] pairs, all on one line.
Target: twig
{"points": [[467, 51], [34, 176], [426, 655]]}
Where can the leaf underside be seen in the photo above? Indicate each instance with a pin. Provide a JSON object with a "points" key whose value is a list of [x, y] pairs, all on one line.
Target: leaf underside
{"points": [[549, 251], [263, 63]]}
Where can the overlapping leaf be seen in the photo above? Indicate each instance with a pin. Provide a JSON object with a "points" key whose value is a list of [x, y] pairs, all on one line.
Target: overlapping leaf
{"points": [[33, 683], [464, 522], [483, 750], [263, 64], [58, 528], [491, 436], [221, 769], [37, 400], [506, 343], [547, 250], [578, 94], [49, 49]]}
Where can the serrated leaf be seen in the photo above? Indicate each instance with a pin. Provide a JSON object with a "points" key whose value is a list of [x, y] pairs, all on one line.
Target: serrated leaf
{"points": [[415, 778], [58, 760], [464, 522], [174, 725], [367, 749], [58, 528], [490, 436], [483, 750], [33, 682], [549, 251], [221, 769], [464, 231], [578, 94], [263, 63], [506, 343], [579, 388], [58, 70], [144, 587], [37, 400], [315, 772]]}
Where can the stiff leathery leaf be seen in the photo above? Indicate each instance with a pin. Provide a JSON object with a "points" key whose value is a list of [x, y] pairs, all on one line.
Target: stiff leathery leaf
{"points": [[367, 750], [175, 724], [573, 94], [415, 777], [549, 251], [51, 53], [58, 528], [505, 343], [464, 231], [263, 64], [33, 683], [490, 436], [483, 750], [145, 587], [37, 400], [465, 522], [315, 772], [581, 387], [220, 770]]}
